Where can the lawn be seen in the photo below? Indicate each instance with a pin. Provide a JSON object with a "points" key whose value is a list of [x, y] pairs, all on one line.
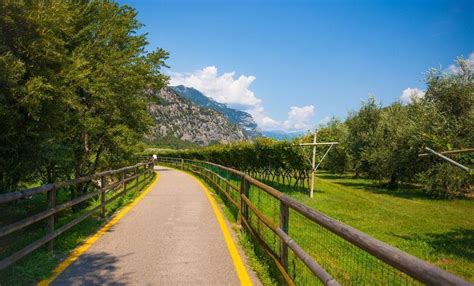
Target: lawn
{"points": [[440, 231]]}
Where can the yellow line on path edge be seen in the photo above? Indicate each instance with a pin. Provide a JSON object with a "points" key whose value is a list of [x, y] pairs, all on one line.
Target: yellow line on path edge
{"points": [[234, 253], [92, 239]]}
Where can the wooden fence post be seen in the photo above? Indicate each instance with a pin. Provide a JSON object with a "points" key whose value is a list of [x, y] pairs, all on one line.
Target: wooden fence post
{"points": [[50, 227], [123, 183], [284, 218], [182, 164], [137, 173], [244, 191], [102, 196]]}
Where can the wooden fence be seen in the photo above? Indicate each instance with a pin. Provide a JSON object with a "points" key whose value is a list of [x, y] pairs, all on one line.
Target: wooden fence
{"points": [[244, 194], [101, 181]]}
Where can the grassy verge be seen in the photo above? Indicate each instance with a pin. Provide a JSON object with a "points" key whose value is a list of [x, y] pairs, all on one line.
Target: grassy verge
{"points": [[40, 264]]}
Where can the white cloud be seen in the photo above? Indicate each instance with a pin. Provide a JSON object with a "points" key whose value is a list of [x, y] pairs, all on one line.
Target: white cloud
{"points": [[299, 118], [411, 94], [223, 88], [456, 69], [236, 92]]}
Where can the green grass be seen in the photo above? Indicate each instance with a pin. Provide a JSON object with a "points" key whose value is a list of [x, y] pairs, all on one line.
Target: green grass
{"points": [[440, 231], [40, 264]]}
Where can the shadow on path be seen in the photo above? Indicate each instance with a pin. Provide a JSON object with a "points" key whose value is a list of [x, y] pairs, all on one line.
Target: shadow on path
{"points": [[103, 267]]}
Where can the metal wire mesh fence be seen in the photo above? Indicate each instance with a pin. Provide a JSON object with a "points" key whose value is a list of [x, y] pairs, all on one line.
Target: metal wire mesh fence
{"points": [[305, 247]]}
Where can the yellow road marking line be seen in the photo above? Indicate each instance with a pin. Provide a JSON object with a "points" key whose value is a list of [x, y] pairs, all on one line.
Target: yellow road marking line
{"points": [[234, 253], [91, 240]]}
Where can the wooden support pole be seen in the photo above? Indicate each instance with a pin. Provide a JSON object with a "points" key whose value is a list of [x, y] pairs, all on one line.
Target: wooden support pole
{"points": [[313, 165], [50, 226], [284, 219], [182, 164]]}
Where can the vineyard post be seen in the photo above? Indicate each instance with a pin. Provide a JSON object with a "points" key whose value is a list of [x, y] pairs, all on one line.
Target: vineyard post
{"points": [[313, 163], [314, 167]]}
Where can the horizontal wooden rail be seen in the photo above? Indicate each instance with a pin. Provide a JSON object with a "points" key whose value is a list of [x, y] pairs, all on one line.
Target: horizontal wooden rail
{"points": [[416, 268], [13, 196], [53, 209]]}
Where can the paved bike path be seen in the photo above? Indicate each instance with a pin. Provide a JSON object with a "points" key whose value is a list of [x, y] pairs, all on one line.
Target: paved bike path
{"points": [[171, 237]]}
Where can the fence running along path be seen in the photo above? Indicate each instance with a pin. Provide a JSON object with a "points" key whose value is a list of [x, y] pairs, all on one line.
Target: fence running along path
{"points": [[322, 249], [116, 188]]}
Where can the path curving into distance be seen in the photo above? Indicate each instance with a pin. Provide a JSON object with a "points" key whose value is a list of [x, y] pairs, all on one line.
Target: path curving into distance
{"points": [[174, 236]]}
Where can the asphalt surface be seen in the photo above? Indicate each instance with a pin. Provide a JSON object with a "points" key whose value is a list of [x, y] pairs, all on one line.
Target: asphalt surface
{"points": [[171, 237]]}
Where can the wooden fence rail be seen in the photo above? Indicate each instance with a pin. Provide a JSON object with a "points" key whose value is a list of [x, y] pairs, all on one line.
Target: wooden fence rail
{"points": [[410, 265], [126, 175]]}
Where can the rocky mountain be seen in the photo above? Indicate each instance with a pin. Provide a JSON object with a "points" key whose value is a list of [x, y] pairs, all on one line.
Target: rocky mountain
{"points": [[240, 118], [178, 117]]}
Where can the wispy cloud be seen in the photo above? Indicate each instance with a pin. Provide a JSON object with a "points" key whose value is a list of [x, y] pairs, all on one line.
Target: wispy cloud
{"points": [[235, 91]]}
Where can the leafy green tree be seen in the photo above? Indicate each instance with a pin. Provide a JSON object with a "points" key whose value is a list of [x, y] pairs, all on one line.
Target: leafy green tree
{"points": [[74, 80], [361, 128]]}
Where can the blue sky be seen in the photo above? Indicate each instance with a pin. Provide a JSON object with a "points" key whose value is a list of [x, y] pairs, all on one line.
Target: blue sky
{"points": [[296, 63]]}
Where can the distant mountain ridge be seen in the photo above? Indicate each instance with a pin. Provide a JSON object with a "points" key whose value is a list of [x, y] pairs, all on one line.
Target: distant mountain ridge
{"points": [[242, 119], [282, 135]]}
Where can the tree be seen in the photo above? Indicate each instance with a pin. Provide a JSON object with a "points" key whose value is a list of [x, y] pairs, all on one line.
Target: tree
{"points": [[361, 128], [74, 80]]}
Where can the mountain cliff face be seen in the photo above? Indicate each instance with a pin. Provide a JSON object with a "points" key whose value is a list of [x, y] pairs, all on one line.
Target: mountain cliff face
{"points": [[180, 118], [240, 118]]}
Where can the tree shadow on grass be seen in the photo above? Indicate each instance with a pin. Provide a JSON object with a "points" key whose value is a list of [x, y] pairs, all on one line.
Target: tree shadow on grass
{"points": [[94, 269], [458, 242], [404, 191]]}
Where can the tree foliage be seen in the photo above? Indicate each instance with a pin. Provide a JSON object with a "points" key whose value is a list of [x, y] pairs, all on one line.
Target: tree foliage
{"points": [[73, 81]]}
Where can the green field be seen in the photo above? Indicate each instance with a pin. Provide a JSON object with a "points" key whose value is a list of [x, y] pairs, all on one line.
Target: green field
{"points": [[440, 231]]}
